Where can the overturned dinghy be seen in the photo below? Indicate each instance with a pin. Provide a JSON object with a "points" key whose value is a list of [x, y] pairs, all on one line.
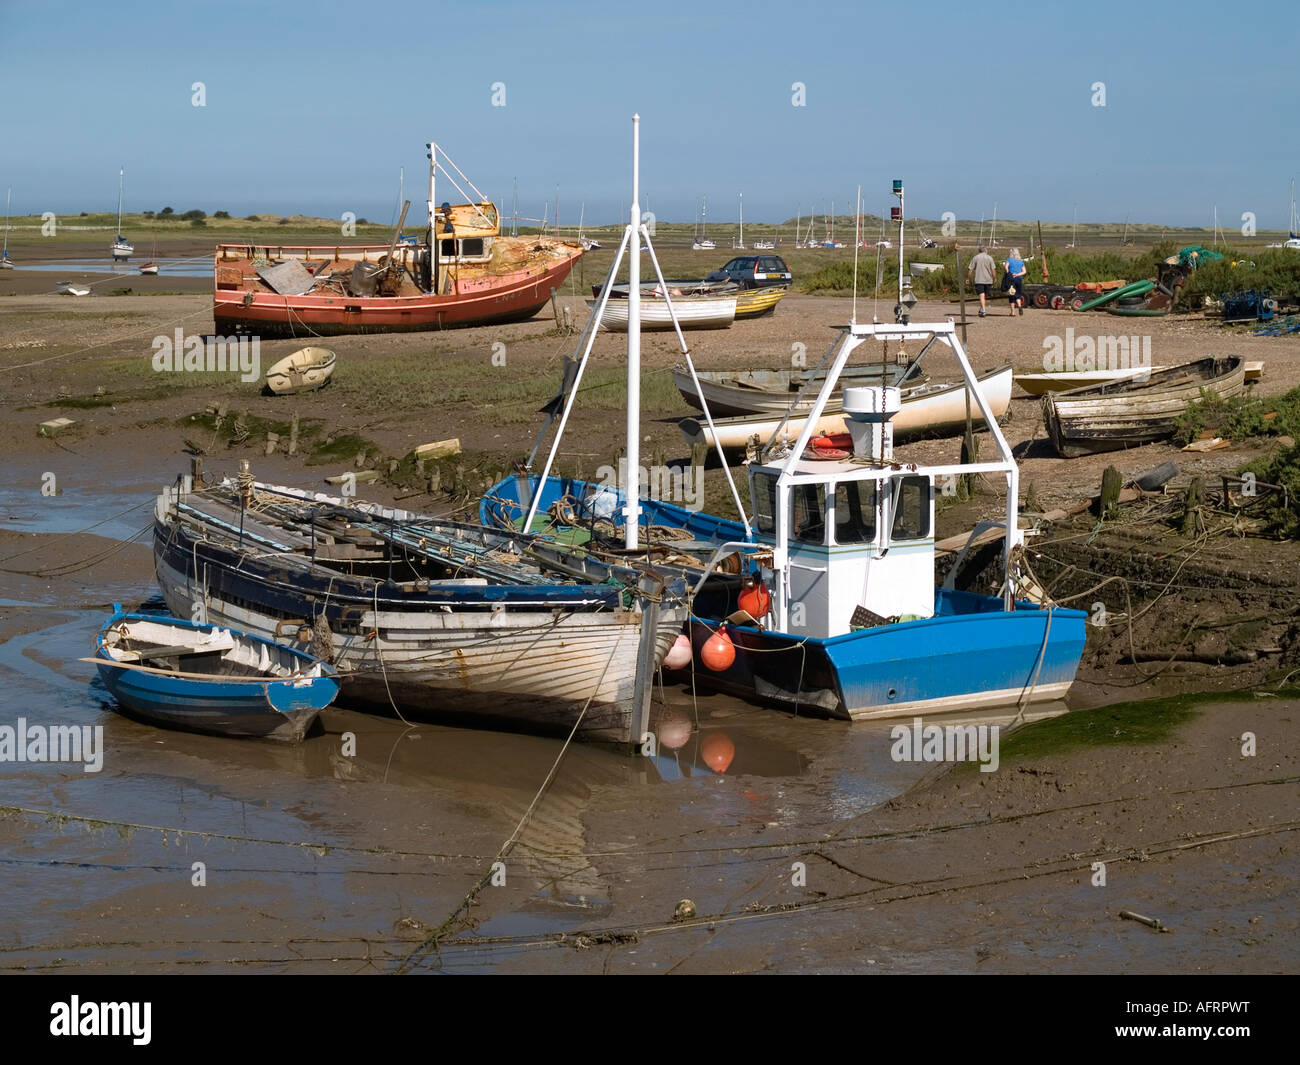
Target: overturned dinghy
{"points": [[436, 617], [1130, 413], [205, 678]]}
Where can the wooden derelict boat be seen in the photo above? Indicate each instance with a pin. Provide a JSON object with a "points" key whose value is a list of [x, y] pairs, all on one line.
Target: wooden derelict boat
{"points": [[1038, 384], [464, 273], [205, 678], [439, 618], [692, 312], [929, 409], [305, 370], [1125, 414]]}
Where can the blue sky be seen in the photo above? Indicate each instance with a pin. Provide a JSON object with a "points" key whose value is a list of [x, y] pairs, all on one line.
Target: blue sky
{"points": [[313, 107]]}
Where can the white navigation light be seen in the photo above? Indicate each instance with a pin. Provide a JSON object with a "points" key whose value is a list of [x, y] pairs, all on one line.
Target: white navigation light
{"points": [[869, 411]]}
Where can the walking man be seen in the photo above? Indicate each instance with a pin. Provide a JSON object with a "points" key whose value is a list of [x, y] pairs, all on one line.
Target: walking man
{"points": [[982, 266]]}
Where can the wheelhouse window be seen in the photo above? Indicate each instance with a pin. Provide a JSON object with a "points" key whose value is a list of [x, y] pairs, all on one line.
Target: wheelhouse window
{"points": [[472, 246], [808, 513], [855, 512], [447, 249], [911, 508], [763, 487]]}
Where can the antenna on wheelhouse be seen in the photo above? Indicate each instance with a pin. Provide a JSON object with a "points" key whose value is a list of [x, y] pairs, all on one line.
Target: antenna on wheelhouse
{"points": [[906, 297]]}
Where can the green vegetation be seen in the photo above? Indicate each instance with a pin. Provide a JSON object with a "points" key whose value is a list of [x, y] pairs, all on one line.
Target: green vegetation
{"points": [[1144, 722], [1281, 468], [1241, 417]]}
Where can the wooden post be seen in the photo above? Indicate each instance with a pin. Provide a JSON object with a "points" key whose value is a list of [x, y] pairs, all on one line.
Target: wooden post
{"points": [[1193, 498], [293, 434], [1111, 483], [961, 293]]}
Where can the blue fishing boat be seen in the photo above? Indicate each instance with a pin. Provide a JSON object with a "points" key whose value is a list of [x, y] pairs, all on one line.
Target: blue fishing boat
{"points": [[210, 679], [841, 615]]}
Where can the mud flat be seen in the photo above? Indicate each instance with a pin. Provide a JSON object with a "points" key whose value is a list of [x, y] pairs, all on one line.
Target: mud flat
{"points": [[316, 860]]}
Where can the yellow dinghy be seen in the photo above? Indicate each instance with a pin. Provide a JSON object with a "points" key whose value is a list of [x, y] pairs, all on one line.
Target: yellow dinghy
{"points": [[753, 302]]}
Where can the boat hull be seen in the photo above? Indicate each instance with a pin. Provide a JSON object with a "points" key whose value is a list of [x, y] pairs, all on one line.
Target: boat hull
{"points": [[281, 709], [743, 393], [972, 655], [507, 297], [756, 302], [1124, 414], [1039, 384], [521, 658], [927, 411], [303, 371], [691, 313]]}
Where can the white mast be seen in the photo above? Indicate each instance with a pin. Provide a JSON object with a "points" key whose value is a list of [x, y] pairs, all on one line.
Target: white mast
{"points": [[742, 221], [4, 256], [433, 191], [121, 181], [632, 483]]}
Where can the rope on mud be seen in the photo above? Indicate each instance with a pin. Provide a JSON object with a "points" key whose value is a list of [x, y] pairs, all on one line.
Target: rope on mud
{"points": [[876, 895], [434, 940], [66, 569]]}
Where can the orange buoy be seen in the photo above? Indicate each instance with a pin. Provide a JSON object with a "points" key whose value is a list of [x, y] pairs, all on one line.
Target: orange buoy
{"points": [[756, 601], [717, 750], [679, 654], [718, 652]]}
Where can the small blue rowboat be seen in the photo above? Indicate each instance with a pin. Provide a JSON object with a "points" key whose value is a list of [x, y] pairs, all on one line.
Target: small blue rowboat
{"points": [[205, 678]]}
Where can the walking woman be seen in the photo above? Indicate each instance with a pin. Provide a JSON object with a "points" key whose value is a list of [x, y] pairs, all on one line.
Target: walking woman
{"points": [[1014, 282]]}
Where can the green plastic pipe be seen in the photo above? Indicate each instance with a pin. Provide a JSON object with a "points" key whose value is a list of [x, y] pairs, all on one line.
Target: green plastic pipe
{"points": [[1137, 288]]}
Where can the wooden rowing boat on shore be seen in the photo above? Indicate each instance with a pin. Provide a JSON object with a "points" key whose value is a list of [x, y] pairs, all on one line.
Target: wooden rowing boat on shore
{"points": [[740, 393], [932, 409], [1124, 414], [693, 312], [206, 678], [756, 302], [1039, 384]]}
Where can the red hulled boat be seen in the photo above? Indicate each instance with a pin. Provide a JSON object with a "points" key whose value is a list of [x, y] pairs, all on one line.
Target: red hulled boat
{"points": [[464, 273]]}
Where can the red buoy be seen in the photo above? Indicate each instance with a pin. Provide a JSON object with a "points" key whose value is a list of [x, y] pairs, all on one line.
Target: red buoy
{"points": [[718, 652], [756, 601]]}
